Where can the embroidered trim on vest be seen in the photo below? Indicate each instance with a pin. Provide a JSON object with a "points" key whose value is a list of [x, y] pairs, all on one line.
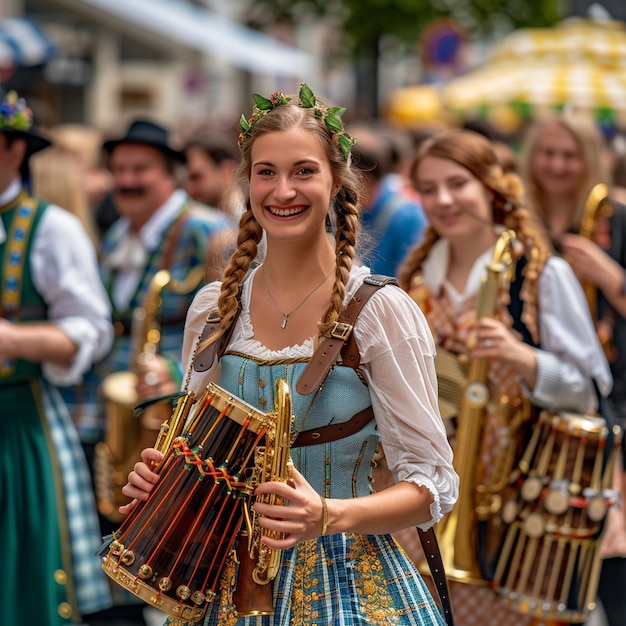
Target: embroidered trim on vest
{"points": [[14, 260]]}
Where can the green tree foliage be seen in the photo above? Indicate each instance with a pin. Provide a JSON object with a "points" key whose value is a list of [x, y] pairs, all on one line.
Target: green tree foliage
{"points": [[366, 25], [367, 21]]}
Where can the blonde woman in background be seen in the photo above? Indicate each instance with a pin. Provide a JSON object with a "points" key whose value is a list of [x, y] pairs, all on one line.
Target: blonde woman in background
{"points": [[563, 159], [84, 144]]}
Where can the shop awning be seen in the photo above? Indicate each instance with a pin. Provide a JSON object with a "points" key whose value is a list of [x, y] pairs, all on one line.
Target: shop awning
{"points": [[23, 43], [210, 33]]}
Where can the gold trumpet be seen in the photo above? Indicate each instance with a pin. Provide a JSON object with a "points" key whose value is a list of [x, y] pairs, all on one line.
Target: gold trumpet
{"points": [[259, 564], [457, 532], [598, 207], [127, 435]]}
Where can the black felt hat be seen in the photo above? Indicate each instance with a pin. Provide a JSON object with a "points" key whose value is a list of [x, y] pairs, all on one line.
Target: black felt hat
{"points": [[16, 119], [147, 133]]}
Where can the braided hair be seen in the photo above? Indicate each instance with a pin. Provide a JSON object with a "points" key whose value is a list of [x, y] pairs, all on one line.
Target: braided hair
{"points": [[476, 153]]}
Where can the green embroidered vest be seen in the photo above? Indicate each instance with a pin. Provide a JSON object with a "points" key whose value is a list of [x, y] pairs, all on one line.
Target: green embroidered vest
{"points": [[19, 299]]}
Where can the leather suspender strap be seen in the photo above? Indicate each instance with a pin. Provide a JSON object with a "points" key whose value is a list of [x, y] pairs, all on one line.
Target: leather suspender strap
{"points": [[325, 356], [172, 240], [205, 358], [430, 545], [333, 432], [328, 351]]}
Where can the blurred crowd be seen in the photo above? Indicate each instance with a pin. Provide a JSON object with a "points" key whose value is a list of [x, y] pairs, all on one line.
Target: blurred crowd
{"points": [[155, 200]]}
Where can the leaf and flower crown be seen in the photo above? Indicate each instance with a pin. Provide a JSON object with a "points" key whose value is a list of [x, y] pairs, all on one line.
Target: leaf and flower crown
{"points": [[14, 113], [330, 115]]}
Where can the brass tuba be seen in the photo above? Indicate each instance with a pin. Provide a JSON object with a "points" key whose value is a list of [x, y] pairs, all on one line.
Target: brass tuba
{"points": [[127, 435], [467, 388]]}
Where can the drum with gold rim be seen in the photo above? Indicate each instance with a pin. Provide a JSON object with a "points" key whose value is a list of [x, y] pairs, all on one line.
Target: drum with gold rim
{"points": [[172, 548], [559, 494]]}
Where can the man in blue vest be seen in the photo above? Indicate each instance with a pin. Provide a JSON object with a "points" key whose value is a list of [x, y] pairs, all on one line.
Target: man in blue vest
{"points": [[55, 321]]}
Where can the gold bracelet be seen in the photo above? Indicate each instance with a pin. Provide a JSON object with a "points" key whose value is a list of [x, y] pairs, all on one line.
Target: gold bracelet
{"points": [[324, 515]]}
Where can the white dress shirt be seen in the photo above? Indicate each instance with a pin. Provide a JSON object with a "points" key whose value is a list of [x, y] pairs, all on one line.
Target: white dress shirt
{"points": [[65, 273], [570, 355], [131, 254]]}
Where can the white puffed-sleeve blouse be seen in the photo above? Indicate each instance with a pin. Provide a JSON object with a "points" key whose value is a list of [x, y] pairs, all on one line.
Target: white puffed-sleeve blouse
{"points": [[397, 360]]}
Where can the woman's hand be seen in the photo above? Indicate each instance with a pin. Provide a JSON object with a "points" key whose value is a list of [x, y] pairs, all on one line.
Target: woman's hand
{"points": [[141, 479], [593, 265], [494, 340], [154, 378], [589, 261], [299, 518]]}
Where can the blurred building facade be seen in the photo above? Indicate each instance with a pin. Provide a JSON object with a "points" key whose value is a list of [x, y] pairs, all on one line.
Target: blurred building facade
{"points": [[174, 60], [183, 61]]}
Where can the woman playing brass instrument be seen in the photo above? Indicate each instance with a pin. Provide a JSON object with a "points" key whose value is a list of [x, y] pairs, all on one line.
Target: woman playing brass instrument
{"points": [[606, 273], [339, 564], [565, 167], [469, 202]]}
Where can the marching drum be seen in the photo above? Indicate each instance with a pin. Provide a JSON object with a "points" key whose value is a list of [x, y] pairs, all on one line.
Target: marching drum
{"points": [[549, 561], [172, 548]]}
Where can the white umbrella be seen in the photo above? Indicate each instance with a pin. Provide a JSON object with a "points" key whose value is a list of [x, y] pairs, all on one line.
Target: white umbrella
{"points": [[23, 43]]}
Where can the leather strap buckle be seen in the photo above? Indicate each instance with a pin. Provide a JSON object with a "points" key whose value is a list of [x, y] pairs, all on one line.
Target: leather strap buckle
{"points": [[341, 331], [213, 317]]}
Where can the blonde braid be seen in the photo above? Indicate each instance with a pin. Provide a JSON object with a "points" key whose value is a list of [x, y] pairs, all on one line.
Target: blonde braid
{"points": [[228, 304], [250, 234], [347, 215], [413, 262]]}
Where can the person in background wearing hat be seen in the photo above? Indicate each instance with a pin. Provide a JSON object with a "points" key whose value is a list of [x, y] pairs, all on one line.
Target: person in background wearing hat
{"points": [[55, 320], [159, 228]]}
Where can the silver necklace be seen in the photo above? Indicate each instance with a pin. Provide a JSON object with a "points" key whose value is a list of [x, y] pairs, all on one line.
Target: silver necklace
{"points": [[286, 315]]}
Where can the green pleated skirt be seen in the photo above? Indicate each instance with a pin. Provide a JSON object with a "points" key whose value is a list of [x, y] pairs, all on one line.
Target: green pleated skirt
{"points": [[48, 524]]}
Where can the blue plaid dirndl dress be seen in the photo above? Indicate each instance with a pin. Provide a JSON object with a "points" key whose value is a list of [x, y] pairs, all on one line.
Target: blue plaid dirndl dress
{"points": [[345, 579]]}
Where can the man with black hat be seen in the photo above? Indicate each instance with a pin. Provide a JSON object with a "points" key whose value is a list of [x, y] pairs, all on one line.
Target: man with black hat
{"points": [[160, 229], [55, 320]]}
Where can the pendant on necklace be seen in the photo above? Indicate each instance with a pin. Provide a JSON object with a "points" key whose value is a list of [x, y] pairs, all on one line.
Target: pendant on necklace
{"points": [[284, 322]]}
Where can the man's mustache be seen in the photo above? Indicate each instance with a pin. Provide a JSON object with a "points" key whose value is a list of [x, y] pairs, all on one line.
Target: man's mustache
{"points": [[130, 192]]}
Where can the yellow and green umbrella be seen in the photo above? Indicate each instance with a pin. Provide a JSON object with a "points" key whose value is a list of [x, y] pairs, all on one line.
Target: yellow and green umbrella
{"points": [[579, 64]]}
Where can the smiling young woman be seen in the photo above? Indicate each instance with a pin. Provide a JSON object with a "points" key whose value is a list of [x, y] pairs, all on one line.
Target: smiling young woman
{"points": [[338, 561], [533, 344]]}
